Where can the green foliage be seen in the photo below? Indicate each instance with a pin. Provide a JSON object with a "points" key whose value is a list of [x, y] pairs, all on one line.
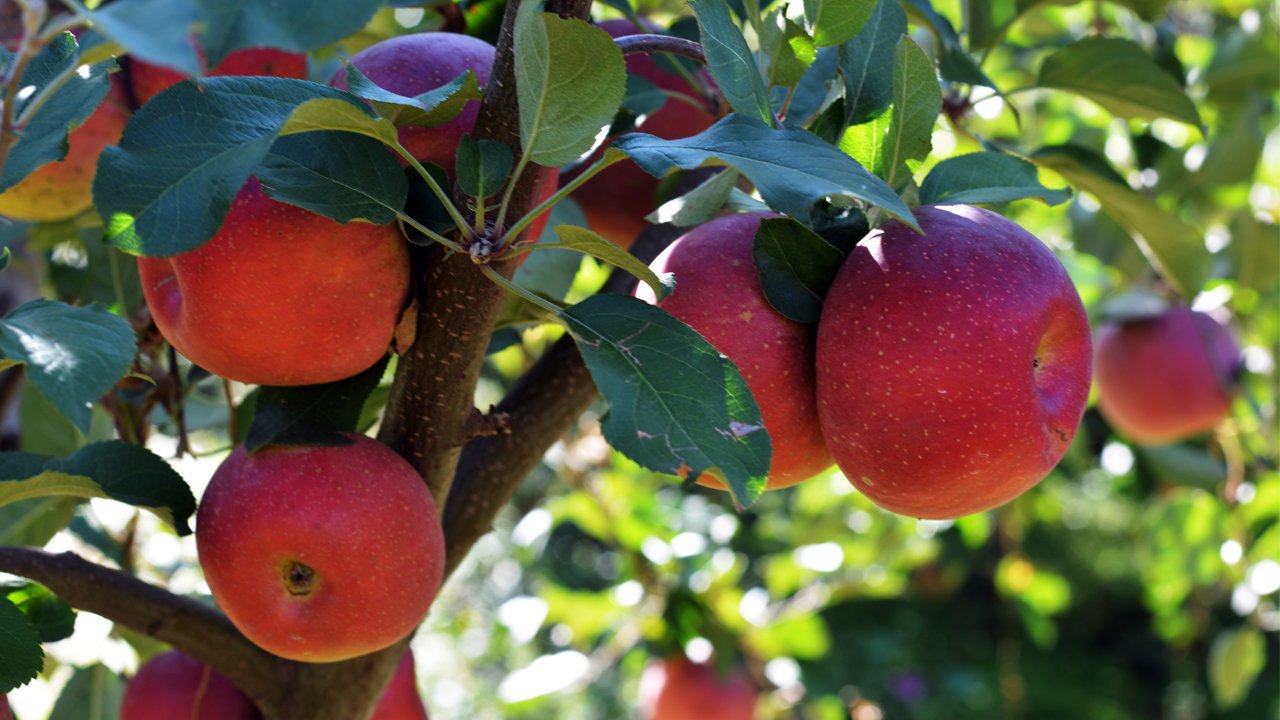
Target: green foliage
{"points": [[93, 692], [731, 62], [22, 658], [573, 237], [312, 414], [796, 268], [985, 177], [1120, 76]]}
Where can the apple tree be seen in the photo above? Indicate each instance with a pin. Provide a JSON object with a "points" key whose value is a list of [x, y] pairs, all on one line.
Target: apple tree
{"points": [[574, 360]]}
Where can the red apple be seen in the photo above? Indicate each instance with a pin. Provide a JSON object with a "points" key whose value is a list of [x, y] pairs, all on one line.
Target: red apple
{"points": [[953, 366], [321, 554], [148, 80], [616, 201], [1165, 378], [410, 65], [5, 712], [64, 189], [718, 294], [677, 689], [171, 686], [281, 295], [401, 700]]}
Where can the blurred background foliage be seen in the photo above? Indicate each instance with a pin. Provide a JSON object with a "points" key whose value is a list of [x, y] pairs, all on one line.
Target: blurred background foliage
{"points": [[1134, 582]]}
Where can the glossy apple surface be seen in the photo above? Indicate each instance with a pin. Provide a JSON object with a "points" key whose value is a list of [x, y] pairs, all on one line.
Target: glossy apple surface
{"points": [[953, 366], [321, 554], [616, 201], [64, 189], [1165, 378], [401, 700], [281, 295], [718, 294], [678, 689], [171, 685], [148, 80]]}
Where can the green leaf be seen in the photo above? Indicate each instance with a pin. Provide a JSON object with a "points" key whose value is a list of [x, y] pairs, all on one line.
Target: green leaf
{"points": [[336, 174], [482, 167], [573, 237], [986, 177], [1121, 77], [814, 89], [1235, 660], [792, 169], [1173, 247], [434, 107], [570, 79], [156, 31], [73, 354], [44, 136], [731, 62], [699, 204], [230, 26], [866, 62], [836, 21], [114, 469], [52, 618], [312, 414], [789, 49], [22, 658], [676, 405], [93, 693], [185, 154], [642, 97], [796, 267], [989, 21], [1184, 465], [1254, 252], [1236, 149], [865, 143], [917, 99], [35, 522]]}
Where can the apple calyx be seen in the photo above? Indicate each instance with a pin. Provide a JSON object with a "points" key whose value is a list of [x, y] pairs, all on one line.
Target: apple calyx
{"points": [[299, 579]]}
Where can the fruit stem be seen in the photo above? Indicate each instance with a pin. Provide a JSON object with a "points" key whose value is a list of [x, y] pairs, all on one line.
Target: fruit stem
{"points": [[508, 236], [443, 196]]}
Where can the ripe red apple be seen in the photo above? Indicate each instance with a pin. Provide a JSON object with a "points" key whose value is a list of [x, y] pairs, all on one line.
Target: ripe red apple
{"points": [[281, 295], [953, 366], [1165, 378], [64, 189], [174, 686], [616, 201], [5, 712], [678, 689], [401, 700], [718, 294], [148, 80], [410, 65], [321, 554]]}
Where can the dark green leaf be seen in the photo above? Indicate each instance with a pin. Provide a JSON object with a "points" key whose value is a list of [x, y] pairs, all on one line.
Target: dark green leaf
{"points": [[231, 26], [813, 89], [570, 79], [52, 618], [796, 267], [833, 22], [114, 469], [792, 169], [699, 204], [676, 405], [312, 414], [1173, 247], [185, 154], [35, 522], [22, 658], [424, 205], [1120, 76], [866, 62], [986, 177], [642, 97], [93, 693], [44, 136], [1184, 465], [73, 354], [434, 107], [157, 31], [1235, 660], [339, 175], [731, 62], [482, 167]]}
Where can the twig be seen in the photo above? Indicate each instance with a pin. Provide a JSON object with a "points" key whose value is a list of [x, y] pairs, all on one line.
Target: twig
{"points": [[652, 43]]}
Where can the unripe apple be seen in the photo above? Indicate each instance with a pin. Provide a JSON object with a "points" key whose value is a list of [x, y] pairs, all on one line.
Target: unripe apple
{"points": [[64, 189], [953, 366], [678, 689], [281, 295], [718, 294], [321, 554], [401, 700], [148, 80], [171, 685], [616, 201], [1165, 378]]}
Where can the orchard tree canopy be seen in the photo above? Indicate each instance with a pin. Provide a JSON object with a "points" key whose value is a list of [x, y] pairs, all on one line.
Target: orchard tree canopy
{"points": [[724, 360]]}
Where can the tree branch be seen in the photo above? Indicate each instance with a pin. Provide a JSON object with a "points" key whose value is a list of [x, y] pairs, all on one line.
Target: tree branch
{"points": [[649, 44]]}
